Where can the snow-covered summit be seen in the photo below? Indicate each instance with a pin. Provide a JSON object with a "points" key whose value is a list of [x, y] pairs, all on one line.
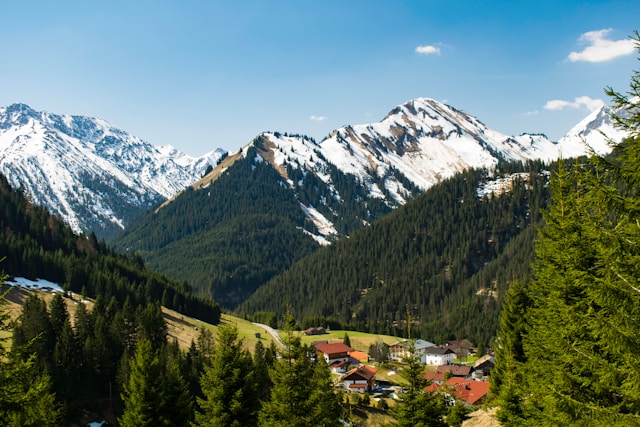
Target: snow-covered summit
{"points": [[594, 131], [427, 141], [96, 176], [87, 171]]}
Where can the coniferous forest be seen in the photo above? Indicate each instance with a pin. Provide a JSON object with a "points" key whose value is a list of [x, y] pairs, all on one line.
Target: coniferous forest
{"points": [[545, 270], [229, 237], [566, 351], [448, 257]]}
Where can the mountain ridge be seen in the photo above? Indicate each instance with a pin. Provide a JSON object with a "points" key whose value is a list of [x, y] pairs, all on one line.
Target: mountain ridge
{"points": [[92, 174], [253, 214], [99, 178]]}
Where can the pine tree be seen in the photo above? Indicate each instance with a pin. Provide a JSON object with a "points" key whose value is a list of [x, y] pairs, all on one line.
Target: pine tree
{"points": [[323, 401], [300, 395], [34, 332], [346, 340], [177, 401], [230, 394], [143, 391], [581, 342], [417, 407], [263, 361], [506, 376], [25, 397]]}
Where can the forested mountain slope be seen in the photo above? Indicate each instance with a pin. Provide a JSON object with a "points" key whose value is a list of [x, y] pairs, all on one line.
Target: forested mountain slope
{"points": [[254, 214], [35, 244], [228, 238], [446, 258]]}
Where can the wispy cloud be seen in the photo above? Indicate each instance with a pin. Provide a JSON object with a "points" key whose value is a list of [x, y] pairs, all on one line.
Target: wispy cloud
{"points": [[318, 118], [428, 50], [530, 113], [600, 48], [580, 102]]}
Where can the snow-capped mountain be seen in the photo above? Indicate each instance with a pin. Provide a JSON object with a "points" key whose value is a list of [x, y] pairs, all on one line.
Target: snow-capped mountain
{"points": [[416, 145], [90, 173], [98, 177], [594, 131]]}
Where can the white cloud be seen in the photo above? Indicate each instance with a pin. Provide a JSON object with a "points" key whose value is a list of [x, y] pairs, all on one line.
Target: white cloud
{"points": [[531, 113], [580, 102], [601, 49], [428, 50], [318, 118]]}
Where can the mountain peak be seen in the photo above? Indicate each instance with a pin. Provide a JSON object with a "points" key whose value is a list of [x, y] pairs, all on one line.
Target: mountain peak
{"points": [[596, 131], [17, 113], [88, 172]]}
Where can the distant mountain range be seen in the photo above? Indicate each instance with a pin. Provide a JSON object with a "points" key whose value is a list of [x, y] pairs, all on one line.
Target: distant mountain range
{"points": [[280, 193], [91, 174], [98, 177]]}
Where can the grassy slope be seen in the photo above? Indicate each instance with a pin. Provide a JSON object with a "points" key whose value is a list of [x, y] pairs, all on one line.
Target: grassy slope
{"points": [[359, 340], [180, 327]]}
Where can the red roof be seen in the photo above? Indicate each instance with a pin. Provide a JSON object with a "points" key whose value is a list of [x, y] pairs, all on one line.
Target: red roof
{"points": [[456, 371], [470, 391], [363, 372], [333, 348], [357, 385]]}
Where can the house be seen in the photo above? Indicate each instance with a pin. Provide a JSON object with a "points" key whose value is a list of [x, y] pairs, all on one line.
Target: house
{"points": [[483, 366], [444, 372], [470, 392], [400, 349], [333, 352], [361, 379], [462, 348], [339, 367], [315, 331], [436, 356], [359, 357]]}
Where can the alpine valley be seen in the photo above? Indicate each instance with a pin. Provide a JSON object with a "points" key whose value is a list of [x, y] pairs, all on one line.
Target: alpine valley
{"points": [[229, 223]]}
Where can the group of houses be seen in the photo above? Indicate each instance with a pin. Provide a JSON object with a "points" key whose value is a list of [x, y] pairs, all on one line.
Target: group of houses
{"points": [[431, 354], [339, 357], [458, 382]]}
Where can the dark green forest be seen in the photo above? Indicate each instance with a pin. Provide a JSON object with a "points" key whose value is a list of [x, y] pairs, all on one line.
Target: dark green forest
{"points": [[447, 257], [35, 244], [228, 238]]}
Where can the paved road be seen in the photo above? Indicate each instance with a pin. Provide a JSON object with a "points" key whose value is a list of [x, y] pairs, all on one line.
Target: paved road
{"points": [[273, 333]]}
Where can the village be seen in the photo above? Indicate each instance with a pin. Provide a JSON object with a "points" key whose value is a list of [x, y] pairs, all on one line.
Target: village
{"points": [[452, 369]]}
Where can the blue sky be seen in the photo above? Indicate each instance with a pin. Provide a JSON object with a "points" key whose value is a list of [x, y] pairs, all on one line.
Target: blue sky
{"points": [[201, 75]]}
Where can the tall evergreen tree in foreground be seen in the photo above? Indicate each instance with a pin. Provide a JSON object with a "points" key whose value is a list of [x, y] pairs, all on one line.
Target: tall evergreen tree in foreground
{"points": [[580, 363], [25, 397], [228, 384], [302, 393], [155, 394], [418, 408]]}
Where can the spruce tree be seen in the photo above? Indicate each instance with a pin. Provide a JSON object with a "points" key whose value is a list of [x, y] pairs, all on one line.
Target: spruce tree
{"points": [[417, 407], [301, 395], [506, 376], [581, 342], [263, 361], [228, 385], [155, 393], [25, 396], [143, 391]]}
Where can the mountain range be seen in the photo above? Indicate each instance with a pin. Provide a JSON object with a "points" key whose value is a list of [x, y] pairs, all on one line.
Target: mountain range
{"points": [[98, 178], [228, 222], [93, 175]]}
